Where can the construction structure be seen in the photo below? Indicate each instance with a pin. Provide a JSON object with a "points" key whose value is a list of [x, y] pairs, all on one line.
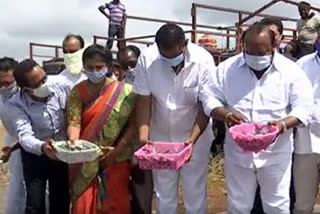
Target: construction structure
{"points": [[230, 32]]}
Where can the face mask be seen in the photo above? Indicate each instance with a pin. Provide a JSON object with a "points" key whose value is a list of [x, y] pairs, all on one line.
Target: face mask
{"points": [[97, 76], [42, 92], [258, 63], [318, 47], [73, 62], [114, 77], [9, 91], [174, 61]]}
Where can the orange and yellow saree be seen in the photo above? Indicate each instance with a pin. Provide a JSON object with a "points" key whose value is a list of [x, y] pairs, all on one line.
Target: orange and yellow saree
{"points": [[101, 118]]}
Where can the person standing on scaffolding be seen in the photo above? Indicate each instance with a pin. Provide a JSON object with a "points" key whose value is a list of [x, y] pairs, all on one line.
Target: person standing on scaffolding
{"points": [[117, 21], [307, 28]]}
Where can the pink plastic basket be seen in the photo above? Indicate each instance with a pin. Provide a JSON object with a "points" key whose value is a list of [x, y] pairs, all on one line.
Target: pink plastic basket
{"points": [[254, 137], [162, 155]]}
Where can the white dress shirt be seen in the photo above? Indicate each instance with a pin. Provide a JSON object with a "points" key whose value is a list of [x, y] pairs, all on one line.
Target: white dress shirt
{"points": [[69, 78], [307, 139], [282, 91], [176, 98]]}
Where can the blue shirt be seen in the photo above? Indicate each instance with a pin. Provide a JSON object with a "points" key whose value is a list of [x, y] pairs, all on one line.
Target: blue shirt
{"points": [[35, 122]]}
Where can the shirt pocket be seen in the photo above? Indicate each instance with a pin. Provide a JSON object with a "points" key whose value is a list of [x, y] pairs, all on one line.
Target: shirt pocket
{"points": [[274, 97], [190, 95]]}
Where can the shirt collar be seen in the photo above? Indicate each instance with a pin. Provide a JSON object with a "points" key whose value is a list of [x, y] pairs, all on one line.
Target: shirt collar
{"points": [[275, 63], [190, 55]]}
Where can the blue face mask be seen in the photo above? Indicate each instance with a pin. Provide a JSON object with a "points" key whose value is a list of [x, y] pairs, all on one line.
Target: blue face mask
{"points": [[174, 61], [97, 76]]}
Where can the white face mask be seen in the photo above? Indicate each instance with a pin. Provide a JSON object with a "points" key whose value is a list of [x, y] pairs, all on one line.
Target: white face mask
{"points": [[9, 91], [42, 91], [258, 63], [73, 62]]}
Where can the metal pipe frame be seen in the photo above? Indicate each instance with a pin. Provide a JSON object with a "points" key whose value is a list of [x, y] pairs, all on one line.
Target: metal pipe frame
{"points": [[175, 22], [31, 50], [131, 39], [244, 12], [255, 13], [237, 28]]}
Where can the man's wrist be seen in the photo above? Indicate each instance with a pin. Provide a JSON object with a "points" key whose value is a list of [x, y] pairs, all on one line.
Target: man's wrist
{"points": [[284, 126], [42, 145]]}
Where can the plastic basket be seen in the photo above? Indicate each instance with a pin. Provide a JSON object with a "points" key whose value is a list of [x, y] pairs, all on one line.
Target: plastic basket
{"points": [[254, 137], [71, 157], [163, 155]]}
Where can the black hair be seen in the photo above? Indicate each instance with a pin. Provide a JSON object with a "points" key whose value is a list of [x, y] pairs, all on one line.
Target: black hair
{"points": [[273, 21], [170, 35], [115, 63], [132, 48], [97, 50], [304, 4], [257, 29], [69, 36], [22, 69], [7, 64]]}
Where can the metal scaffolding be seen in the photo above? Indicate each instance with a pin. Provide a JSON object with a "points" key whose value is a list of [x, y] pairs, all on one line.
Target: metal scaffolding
{"points": [[234, 31]]}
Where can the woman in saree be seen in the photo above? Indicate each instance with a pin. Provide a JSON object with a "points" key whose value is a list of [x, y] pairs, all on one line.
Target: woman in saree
{"points": [[100, 110]]}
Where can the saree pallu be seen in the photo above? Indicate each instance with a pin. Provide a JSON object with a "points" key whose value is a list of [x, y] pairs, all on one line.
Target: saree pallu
{"points": [[102, 117]]}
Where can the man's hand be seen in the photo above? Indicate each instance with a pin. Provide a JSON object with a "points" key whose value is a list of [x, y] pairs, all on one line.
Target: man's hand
{"points": [[49, 150], [144, 141], [281, 125], [190, 141], [234, 118], [6, 154]]}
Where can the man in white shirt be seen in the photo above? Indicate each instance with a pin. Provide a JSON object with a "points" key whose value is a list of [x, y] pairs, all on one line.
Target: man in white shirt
{"points": [[307, 142], [73, 47], [172, 81], [260, 85], [16, 199]]}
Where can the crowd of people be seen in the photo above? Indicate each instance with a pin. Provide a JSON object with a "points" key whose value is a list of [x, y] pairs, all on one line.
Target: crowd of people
{"points": [[170, 92]]}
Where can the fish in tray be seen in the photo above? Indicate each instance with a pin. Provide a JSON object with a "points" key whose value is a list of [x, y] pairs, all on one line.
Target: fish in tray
{"points": [[78, 152], [75, 147]]}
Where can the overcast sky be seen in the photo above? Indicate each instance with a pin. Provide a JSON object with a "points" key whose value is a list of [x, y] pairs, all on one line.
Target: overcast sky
{"points": [[48, 21]]}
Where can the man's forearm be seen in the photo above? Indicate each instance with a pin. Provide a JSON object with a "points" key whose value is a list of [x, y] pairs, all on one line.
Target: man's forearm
{"points": [[291, 122], [102, 10], [199, 126], [219, 113], [143, 114]]}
